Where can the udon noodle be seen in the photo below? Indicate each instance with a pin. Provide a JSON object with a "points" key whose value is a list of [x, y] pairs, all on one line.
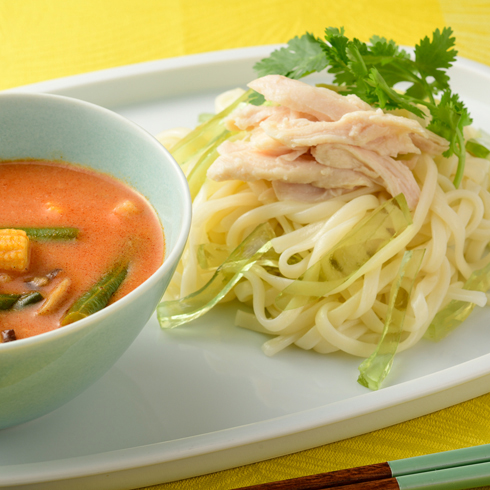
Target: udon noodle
{"points": [[452, 225]]}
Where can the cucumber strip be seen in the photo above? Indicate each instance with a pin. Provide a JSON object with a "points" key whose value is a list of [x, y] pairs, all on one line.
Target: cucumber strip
{"points": [[456, 311], [375, 368], [197, 175], [201, 138], [477, 149], [349, 256], [8, 300], [171, 314], [58, 233], [98, 296]]}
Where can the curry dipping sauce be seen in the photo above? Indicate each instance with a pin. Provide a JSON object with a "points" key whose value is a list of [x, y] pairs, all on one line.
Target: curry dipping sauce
{"points": [[119, 240]]}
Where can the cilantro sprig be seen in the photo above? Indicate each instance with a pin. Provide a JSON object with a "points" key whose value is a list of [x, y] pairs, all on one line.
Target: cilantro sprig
{"points": [[302, 56], [375, 71]]}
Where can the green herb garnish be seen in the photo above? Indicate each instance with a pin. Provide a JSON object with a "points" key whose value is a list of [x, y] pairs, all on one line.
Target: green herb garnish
{"points": [[302, 56], [372, 71]]}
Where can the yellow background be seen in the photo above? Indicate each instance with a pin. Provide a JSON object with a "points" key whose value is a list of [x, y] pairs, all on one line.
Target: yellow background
{"points": [[44, 39]]}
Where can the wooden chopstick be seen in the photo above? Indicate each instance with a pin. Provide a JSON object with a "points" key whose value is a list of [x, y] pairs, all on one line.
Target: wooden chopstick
{"points": [[451, 470], [360, 474]]}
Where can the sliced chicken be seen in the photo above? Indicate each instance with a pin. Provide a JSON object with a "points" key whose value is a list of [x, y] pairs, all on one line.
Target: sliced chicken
{"points": [[374, 130], [430, 143], [318, 144], [239, 161], [338, 156], [305, 192], [324, 104], [263, 142], [391, 174], [247, 117]]}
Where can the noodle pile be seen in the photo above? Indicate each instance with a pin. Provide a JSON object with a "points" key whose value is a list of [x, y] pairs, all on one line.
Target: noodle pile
{"points": [[452, 225]]}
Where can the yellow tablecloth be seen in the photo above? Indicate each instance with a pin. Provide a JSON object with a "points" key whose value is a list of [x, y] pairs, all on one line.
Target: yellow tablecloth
{"points": [[46, 39]]}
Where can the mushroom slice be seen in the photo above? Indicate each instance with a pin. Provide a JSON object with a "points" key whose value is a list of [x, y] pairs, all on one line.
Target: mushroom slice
{"points": [[56, 298]]}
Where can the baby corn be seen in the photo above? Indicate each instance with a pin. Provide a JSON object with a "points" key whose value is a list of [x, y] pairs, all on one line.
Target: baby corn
{"points": [[14, 250]]}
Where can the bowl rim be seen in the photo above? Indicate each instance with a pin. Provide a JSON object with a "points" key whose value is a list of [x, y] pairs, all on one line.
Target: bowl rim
{"points": [[169, 260]]}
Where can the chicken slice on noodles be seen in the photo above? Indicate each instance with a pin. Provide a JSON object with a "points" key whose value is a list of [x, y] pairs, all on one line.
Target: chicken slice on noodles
{"points": [[324, 104], [314, 144]]}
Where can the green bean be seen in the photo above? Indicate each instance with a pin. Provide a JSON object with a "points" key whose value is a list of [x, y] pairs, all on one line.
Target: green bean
{"points": [[58, 233], [8, 300], [19, 301], [27, 299], [98, 296]]}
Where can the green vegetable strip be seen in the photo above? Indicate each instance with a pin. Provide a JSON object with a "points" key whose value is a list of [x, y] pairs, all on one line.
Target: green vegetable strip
{"points": [[98, 296], [205, 117], [200, 139], [174, 313], [376, 367], [477, 149], [27, 299], [197, 176], [60, 233], [366, 239], [8, 300], [456, 312], [211, 256]]}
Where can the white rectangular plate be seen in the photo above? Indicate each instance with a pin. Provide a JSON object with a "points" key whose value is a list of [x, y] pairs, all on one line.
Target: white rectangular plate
{"points": [[204, 397]]}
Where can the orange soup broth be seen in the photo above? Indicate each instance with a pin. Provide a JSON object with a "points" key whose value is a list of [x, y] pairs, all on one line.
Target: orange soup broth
{"points": [[52, 194]]}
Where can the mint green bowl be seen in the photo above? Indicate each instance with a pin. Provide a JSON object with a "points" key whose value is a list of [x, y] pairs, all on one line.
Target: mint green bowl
{"points": [[39, 374]]}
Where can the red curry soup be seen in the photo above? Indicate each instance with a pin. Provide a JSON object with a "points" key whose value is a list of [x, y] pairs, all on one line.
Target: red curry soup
{"points": [[71, 241]]}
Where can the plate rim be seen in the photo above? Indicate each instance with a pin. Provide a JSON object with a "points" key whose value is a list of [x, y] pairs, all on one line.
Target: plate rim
{"points": [[266, 430]]}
